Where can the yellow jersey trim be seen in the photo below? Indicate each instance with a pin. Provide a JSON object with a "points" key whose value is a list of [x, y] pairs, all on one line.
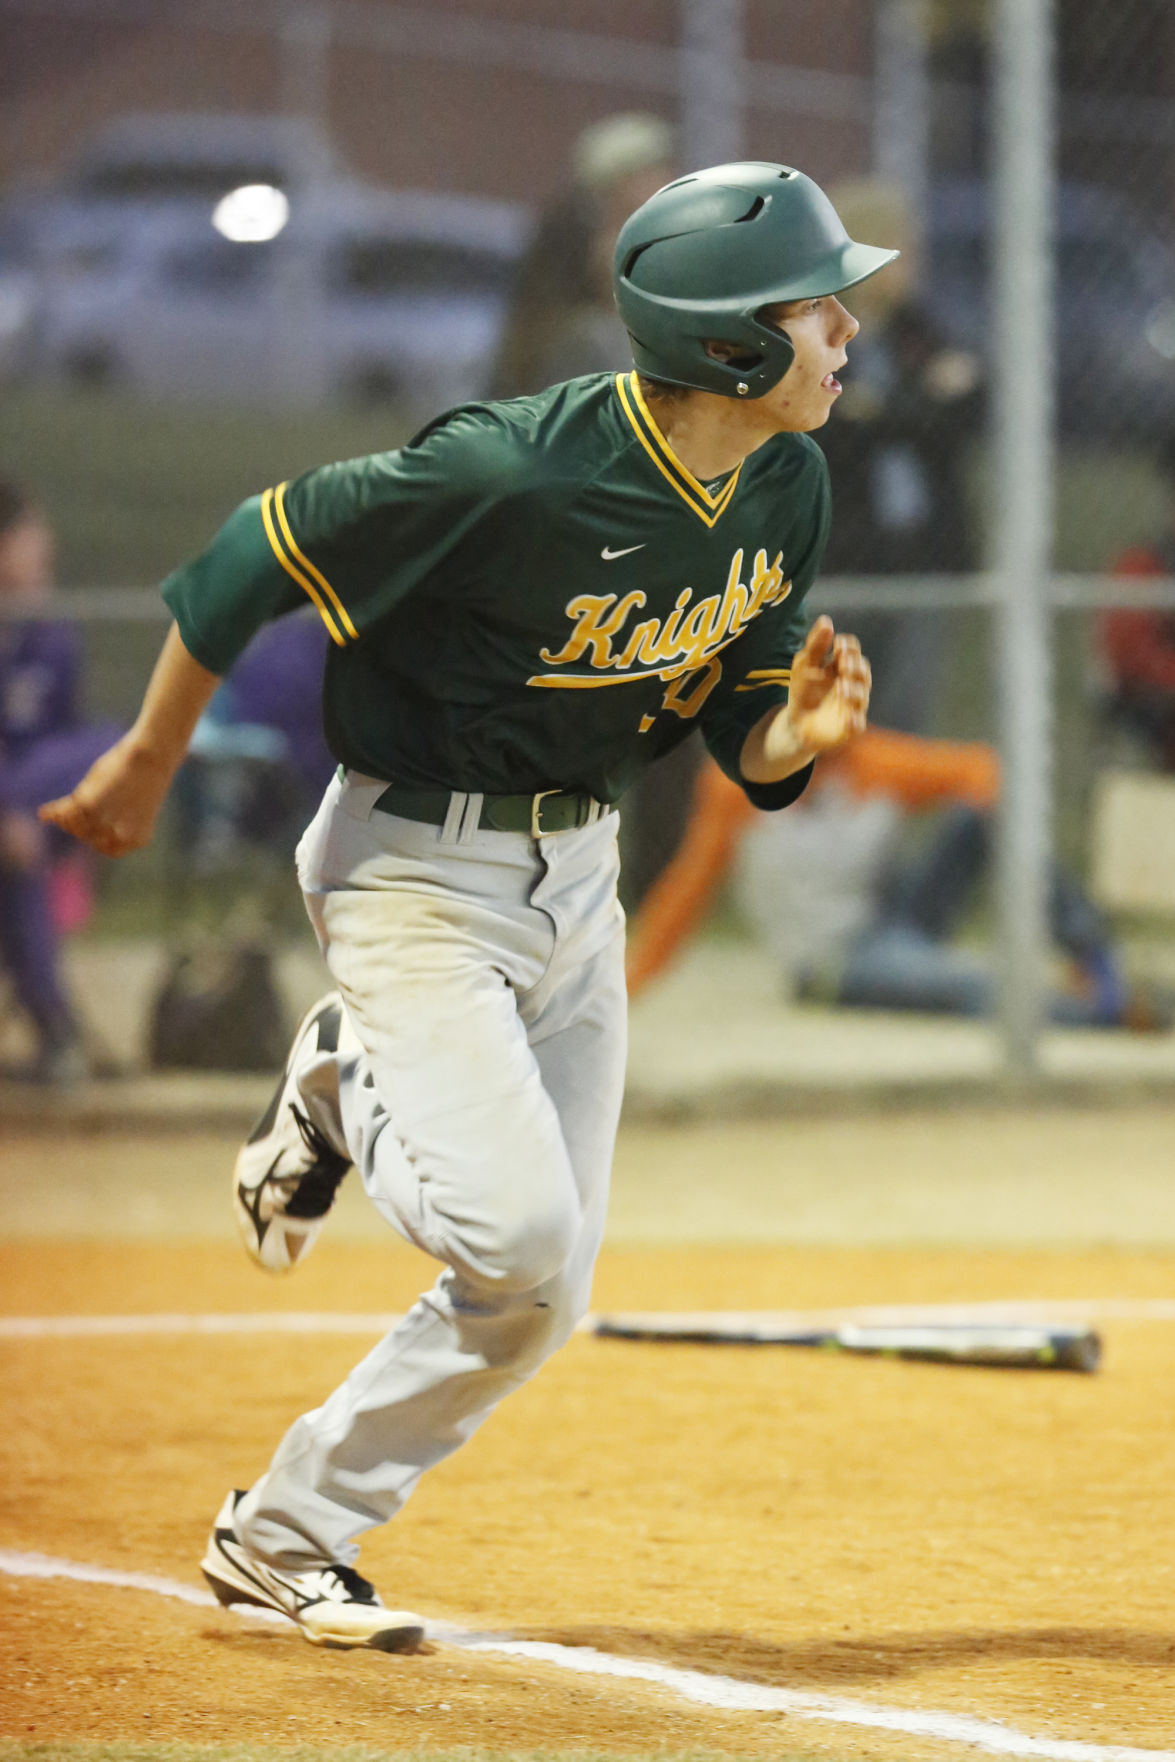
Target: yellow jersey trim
{"points": [[271, 505], [303, 581], [593, 681], [279, 502], [761, 676], [708, 508], [587, 681]]}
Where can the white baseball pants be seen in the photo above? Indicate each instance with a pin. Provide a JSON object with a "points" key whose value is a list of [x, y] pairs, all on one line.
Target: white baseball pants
{"points": [[483, 974]]}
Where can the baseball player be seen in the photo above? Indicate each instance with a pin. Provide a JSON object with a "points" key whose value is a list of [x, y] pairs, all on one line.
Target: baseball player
{"points": [[527, 605]]}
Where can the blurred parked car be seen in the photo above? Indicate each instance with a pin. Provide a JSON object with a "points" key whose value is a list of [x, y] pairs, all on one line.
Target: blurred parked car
{"points": [[363, 294], [138, 167], [136, 174], [1115, 302]]}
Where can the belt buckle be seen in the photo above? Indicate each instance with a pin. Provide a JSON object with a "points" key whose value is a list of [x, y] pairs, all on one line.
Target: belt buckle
{"points": [[536, 810]]}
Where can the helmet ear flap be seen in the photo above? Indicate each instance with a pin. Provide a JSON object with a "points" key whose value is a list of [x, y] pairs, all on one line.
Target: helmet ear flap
{"points": [[760, 356], [759, 359], [781, 344]]}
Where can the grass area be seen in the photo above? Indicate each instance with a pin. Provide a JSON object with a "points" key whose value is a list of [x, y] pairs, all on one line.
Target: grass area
{"points": [[134, 487]]}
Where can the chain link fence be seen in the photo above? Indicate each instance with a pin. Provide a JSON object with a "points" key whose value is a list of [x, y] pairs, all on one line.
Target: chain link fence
{"points": [[1003, 456]]}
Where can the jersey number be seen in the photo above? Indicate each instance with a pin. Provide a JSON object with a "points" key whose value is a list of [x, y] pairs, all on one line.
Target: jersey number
{"points": [[686, 695]]}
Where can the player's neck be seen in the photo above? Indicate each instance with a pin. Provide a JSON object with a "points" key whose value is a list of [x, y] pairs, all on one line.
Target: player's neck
{"points": [[709, 434]]}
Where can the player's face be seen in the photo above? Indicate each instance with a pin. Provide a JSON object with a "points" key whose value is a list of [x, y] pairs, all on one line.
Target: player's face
{"points": [[820, 330]]}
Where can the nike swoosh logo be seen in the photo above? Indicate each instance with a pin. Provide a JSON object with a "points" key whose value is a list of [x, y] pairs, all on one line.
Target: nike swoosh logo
{"points": [[609, 556]]}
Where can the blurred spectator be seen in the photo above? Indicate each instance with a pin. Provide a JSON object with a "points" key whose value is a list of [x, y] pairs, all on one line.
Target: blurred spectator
{"points": [[45, 750], [1139, 645], [844, 919], [257, 766], [896, 449], [561, 321], [258, 760]]}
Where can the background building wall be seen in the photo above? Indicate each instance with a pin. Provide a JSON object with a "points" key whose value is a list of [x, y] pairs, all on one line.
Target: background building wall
{"points": [[456, 120]]}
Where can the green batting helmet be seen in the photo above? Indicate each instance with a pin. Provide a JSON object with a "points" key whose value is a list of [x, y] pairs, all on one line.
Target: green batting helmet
{"points": [[700, 259]]}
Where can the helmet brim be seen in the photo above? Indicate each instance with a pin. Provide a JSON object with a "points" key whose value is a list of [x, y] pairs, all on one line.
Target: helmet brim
{"points": [[844, 269]]}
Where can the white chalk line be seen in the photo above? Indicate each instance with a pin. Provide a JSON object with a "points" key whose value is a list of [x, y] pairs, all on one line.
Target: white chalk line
{"points": [[31, 1327], [712, 1691], [724, 1693], [27, 1327]]}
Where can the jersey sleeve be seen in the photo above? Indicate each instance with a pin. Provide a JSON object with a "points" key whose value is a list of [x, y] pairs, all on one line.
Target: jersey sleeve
{"points": [[350, 539], [756, 669]]}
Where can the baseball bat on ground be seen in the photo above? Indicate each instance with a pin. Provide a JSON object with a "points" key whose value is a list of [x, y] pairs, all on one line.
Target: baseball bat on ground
{"points": [[1026, 1345]]}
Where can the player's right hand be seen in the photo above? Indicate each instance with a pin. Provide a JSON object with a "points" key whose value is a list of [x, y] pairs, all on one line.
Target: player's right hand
{"points": [[115, 806]]}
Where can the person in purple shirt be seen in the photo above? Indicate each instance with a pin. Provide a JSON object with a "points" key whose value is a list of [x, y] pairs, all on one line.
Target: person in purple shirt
{"points": [[44, 746], [277, 684], [258, 760]]}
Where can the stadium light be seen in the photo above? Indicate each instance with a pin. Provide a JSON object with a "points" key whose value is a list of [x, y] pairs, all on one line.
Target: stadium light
{"points": [[251, 214]]}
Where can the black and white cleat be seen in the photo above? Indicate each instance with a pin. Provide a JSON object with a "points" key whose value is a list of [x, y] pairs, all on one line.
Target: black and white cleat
{"points": [[330, 1605], [288, 1173]]}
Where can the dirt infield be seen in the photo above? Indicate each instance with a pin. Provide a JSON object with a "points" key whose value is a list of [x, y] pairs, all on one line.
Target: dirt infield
{"points": [[984, 1542]]}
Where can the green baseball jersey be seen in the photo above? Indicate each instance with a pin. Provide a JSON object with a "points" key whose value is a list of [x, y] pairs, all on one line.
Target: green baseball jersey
{"points": [[530, 595]]}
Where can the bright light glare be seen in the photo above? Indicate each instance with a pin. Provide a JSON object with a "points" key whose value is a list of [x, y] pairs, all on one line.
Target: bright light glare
{"points": [[251, 214]]}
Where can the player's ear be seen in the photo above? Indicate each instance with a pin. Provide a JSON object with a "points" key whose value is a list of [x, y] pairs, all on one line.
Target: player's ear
{"points": [[720, 351]]}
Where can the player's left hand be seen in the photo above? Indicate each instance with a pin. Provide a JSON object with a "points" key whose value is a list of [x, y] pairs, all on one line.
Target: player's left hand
{"points": [[828, 699]]}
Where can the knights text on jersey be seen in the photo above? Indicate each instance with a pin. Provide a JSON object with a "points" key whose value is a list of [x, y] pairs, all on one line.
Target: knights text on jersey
{"points": [[529, 595]]}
